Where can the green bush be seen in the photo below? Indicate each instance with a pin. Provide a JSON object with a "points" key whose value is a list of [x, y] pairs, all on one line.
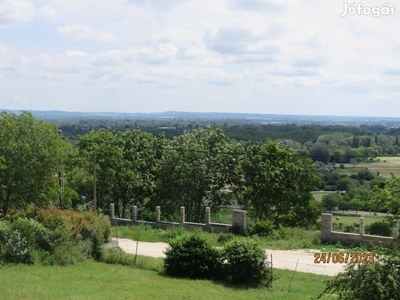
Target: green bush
{"points": [[192, 256], [379, 228], [262, 228], [379, 280], [56, 236], [246, 262], [225, 237], [16, 249]]}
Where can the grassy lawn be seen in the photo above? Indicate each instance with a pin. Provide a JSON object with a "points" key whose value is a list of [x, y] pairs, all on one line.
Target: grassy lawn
{"points": [[318, 197], [386, 166], [91, 280], [350, 220]]}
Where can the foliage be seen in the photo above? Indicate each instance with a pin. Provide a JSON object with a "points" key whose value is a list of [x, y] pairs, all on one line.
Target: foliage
{"points": [[330, 201], [379, 228], [246, 262], [126, 163], [192, 256], [388, 197], [277, 184], [31, 152], [52, 236], [379, 280], [194, 167], [261, 228]]}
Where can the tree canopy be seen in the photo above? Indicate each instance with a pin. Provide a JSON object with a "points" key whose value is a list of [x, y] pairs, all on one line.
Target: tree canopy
{"points": [[277, 184], [31, 152]]}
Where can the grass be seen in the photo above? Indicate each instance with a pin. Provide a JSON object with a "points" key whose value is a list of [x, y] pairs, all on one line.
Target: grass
{"points": [[318, 197], [285, 239], [92, 280], [385, 166], [351, 220]]}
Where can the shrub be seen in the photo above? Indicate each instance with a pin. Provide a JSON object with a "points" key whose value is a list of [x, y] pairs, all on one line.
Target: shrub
{"points": [[262, 228], [379, 280], [379, 228], [225, 237], [192, 256], [35, 233], [16, 249], [246, 262], [62, 236]]}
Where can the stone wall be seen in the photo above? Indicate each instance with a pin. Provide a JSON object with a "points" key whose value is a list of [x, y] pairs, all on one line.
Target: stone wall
{"points": [[238, 221], [328, 235]]}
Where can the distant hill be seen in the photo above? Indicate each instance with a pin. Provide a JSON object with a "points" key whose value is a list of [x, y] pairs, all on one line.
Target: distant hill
{"points": [[244, 117]]}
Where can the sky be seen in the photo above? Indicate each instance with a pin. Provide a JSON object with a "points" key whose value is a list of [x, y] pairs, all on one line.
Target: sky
{"points": [[298, 57]]}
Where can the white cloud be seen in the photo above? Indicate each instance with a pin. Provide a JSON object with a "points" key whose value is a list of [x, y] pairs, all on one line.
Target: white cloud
{"points": [[82, 32], [15, 12], [254, 49], [48, 13]]}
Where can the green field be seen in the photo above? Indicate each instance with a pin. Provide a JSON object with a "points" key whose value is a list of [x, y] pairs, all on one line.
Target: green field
{"points": [[351, 220], [91, 280], [385, 166]]}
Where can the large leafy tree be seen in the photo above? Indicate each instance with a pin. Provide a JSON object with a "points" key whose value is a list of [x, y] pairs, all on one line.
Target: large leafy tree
{"points": [[195, 166], [125, 166], [388, 197], [31, 152], [277, 185]]}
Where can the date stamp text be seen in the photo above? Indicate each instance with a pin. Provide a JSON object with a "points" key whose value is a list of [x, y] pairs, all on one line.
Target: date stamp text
{"points": [[344, 258]]}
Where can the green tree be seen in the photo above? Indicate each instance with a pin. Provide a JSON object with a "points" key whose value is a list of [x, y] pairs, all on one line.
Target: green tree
{"points": [[125, 166], [332, 200], [277, 184], [31, 153], [194, 168], [388, 197], [320, 152]]}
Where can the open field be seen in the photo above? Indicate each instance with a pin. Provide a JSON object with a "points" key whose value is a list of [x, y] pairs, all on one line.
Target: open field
{"points": [[350, 220], [91, 280], [386, 166]]}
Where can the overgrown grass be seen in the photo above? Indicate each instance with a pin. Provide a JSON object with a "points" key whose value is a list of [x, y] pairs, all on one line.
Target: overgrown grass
{"points": [[92, 280]]}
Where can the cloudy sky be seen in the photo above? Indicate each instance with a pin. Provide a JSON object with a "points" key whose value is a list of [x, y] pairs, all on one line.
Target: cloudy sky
{"points": [[255, 56]]}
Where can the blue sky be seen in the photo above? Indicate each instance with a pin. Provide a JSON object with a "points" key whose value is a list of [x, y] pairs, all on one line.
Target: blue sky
{"points": [[254, 56]]}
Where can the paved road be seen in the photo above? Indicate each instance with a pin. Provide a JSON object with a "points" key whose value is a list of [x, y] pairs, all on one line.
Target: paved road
{"points": [[282, 259]]}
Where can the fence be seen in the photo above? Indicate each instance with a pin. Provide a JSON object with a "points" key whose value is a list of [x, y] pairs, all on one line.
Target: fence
{"points": [[238, 221], [327, 235]]}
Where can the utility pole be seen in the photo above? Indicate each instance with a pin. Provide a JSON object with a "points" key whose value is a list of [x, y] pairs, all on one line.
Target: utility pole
{"points": [[61, 175], [94, 183]]}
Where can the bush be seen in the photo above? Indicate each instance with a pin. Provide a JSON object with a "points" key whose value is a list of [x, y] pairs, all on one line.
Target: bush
{"points": [[246, 262], [379, 280], [56, 236], [379, 228], [262, 228], [225, 237], [192, 256]]}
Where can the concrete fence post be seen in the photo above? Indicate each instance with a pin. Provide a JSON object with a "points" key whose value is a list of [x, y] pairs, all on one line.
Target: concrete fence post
{"points": [[182, 214], [396, 230], [326, 227], [134, 213], [239, 222], [112, 211], [158, 214], [362, 222], [208, 216]]}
